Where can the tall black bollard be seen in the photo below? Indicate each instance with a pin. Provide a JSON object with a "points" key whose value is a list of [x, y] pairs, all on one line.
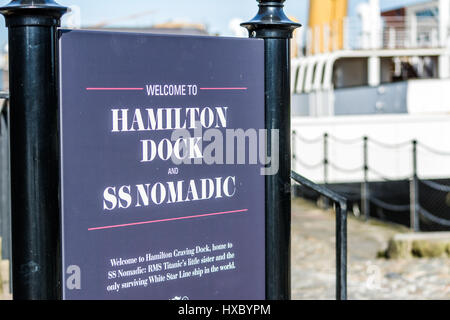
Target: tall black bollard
{"points": [[34, 147], [272, 25]]}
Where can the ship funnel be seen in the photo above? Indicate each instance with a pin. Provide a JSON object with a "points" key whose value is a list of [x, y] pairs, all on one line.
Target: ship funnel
{"points": [[326, 25]]}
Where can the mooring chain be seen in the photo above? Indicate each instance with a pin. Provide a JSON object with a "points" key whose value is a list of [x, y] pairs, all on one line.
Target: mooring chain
{"points": [[345, 170], [436, 186], [428, 215], [389, 206], [390, 146], [432, 150], [385, 178], [306, 140], [346, 141], [307, 165]]}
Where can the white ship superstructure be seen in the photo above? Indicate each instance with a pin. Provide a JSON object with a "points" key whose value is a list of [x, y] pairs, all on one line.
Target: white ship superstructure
{"points": [[386, 77]]}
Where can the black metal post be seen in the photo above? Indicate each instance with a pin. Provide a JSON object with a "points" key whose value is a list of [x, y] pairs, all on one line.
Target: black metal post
{"points": [[414, 192], [34, 147], [326, 163], [294, 150], [365, 196], [326, 160], [341, 250], [5, 207], [272, 25]]}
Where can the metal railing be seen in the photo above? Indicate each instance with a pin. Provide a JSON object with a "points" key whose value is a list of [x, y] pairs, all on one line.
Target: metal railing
{"points": [[341, 231], [415, 208], [352, 33]]}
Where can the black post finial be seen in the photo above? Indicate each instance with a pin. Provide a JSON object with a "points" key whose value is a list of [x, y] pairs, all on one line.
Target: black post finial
{"points": [[32, 12], [271, 21]]}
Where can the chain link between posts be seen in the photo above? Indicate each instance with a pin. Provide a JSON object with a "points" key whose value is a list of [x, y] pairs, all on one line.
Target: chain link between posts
{"points": [[394, 146]]}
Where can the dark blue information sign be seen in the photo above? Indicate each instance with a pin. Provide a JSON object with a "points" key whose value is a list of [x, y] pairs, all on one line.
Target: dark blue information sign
{"points": [[163, 145]]}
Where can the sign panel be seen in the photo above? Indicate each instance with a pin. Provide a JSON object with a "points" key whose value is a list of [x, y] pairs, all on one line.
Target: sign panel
{"points": [[161, 195]]}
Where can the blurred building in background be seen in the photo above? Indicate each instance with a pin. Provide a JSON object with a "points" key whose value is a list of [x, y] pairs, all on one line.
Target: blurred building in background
{"points": [[173, 27]]}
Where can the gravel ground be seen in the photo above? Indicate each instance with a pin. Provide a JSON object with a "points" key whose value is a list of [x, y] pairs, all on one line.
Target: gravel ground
{"points": [[369, 278]]}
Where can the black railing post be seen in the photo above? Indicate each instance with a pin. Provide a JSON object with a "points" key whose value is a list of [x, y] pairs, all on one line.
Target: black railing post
{"points": [[341, 250], [326, 164], [326, 160], [294, 150], [34, 147], [272, 25], [414, 192], [365, 196], [5, 208]]}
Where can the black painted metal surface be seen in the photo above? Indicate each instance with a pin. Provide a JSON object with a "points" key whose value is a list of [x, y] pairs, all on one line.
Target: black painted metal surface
{"points": [[365, 197], [414, 191], [34, 148], [5, 224], [276, 29]]}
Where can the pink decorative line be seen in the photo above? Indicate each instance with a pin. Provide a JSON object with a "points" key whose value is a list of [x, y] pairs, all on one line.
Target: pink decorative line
{"points": [[223, 88], [167, 220], [114, 89]]}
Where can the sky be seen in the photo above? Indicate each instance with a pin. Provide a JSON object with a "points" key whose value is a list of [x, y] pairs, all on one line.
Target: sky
{"points": [[215, 14]]}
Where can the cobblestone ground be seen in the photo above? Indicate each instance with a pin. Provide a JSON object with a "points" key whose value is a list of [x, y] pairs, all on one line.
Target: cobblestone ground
{"points": [[313, 261]]}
